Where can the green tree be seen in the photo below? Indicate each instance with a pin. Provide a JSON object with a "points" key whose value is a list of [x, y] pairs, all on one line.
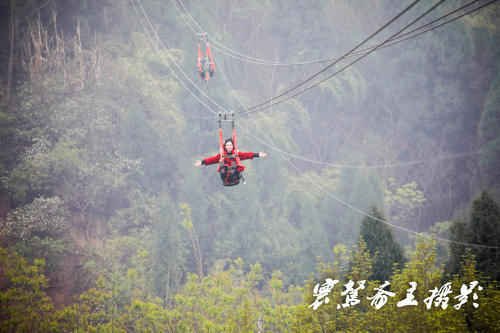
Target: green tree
{"points": [[92, 311], [24, 305], [13, 136], [168, 251], [149, 316], [403, 203], [422, 270], [52, 250], [482, 227], [332, 316], [43, 217], [483, 317], [459, 232], [386, 253]]}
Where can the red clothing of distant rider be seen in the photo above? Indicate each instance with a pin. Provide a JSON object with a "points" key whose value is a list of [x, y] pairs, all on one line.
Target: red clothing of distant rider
{"points": [[229, 169], [228, 161]]}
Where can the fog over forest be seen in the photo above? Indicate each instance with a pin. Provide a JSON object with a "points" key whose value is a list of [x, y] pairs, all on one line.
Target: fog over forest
{"points": [[378, 127]]}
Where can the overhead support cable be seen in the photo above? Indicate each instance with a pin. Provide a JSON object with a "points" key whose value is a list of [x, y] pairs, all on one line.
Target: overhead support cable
{"points": [[323, 189], [392, 225], [336, 61], [346, 204], [269, 103], [337, 165], [398, 39], [179, 68], [259, 61]]}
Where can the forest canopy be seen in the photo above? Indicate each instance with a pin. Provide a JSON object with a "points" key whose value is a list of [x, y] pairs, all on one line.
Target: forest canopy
{"points": [[383, 176]]}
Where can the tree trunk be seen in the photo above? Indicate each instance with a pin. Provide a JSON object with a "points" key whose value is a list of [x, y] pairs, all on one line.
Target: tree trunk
{"points": [[12, 28]]}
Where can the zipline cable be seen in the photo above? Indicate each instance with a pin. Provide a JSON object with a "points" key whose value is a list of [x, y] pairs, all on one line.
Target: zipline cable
{"points": [[344, 166], [322, 188], [395, 226], [346, 204], [175, 63], [364, 51], [175, 107], [329, 66], [376, 166], [189, 24], [406, 36], [336, 165], [165, 61], [336, 61], [351, 206], [263, 105], [188, 14], [172, 59], [439, 25]]}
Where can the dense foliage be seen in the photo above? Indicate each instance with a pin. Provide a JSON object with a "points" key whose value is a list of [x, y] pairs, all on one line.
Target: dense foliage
{"points": [[106, 226]]}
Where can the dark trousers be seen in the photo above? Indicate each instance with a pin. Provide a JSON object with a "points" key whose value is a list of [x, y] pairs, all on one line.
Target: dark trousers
{"points": [[230, 175]]}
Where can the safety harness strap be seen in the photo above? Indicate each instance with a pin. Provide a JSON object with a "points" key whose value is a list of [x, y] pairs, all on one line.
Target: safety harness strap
{"points": [[238, 163], [221, 142], [199, 58], [209, 55]]}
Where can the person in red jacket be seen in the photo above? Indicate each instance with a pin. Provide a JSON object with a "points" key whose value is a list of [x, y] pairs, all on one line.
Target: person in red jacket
{"points": [[229, 171]]}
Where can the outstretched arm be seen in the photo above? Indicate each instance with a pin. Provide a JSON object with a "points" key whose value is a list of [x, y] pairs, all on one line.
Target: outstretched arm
{"points": [[207, 161], [249, 155]]}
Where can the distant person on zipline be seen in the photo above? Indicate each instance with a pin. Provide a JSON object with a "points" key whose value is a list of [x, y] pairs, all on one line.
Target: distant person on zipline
{"points": [[206, 69], [206, 65], [229, 167]]}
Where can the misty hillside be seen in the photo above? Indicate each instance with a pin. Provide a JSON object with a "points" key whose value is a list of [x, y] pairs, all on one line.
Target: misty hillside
{"points": [[381, 125]]}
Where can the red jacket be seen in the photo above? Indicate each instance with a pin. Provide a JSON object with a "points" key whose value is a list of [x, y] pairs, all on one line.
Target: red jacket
{"points": [[228, 161]]}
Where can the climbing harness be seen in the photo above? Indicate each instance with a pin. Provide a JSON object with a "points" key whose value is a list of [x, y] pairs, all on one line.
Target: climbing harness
{"points": [[224, 155], [206, 65]]}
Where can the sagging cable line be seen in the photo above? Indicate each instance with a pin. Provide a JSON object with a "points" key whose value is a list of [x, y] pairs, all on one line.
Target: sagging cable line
{"points": [[379, 166], [375, 166], [363, 213], [410, 34], [349, 166], [263, 106], [393, 41], [189, 24], [174, 73], [346, 204], [394, 226], [345, 166], [391, 165], [439, 25], [221, 109], [336, 61], [422, 32], [187, 13]]}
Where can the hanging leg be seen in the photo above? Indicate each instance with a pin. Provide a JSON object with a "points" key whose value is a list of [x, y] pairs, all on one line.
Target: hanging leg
{"points": [[212, 64], [200, 69]]}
